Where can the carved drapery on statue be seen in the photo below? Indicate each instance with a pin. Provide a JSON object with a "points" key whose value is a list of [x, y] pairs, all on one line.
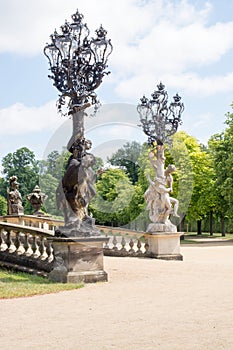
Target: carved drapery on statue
{"points": [[76, 188], [14, 198]]}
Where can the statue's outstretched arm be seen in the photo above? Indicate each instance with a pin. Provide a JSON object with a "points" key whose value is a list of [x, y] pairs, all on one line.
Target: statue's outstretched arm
{"points": [[149, 179]]}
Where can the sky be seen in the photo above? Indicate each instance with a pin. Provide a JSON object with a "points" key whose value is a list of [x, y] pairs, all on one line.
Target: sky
{"points": [[186, 44]]}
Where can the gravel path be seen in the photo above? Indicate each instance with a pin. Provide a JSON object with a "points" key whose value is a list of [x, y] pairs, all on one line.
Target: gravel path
{"points": [[147, 304]]}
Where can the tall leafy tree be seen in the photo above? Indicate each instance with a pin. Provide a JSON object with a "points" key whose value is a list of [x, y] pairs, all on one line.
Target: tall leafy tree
{"points": [[221, 150], [178, 155], [197, 177], [54, 164], [48, 185], [114, 196], [126, 158], [3, 206]]}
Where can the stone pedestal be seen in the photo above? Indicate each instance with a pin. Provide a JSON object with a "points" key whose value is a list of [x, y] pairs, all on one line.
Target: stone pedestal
{"points": [[78, 260], [164, 245], [160, 227]]}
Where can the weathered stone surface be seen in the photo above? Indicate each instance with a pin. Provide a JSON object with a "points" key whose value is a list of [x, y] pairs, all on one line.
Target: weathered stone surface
{"points": [[164, 245], [159, 203], [14, 198], [78, 260], [76, 188], [157, 227], [85, 228], [37, 199]]}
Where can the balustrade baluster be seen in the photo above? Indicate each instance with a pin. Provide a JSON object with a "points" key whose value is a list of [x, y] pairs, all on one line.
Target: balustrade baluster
{"points": [[36, 248], [114, 241], [139, 245], [131, 244], [21, 241], [106, 246], [123, 244], [44, 254], [3, 246], [12, 247], [8, 240], [28, 245], [146, 246], [50, 251], [17, 239]]}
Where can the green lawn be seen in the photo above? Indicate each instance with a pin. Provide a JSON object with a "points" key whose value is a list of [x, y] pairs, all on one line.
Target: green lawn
{"points": [[20, 284], [191, 237]]}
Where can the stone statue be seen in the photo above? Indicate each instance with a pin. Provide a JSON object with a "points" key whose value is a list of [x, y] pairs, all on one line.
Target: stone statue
{"points": [[159, 203], [169, 182], [76, 189], [36, 199], [14, 198]]}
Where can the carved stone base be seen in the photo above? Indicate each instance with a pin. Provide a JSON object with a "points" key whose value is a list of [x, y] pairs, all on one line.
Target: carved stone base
{"points": [[78, 260], [159, 227], [165, 246], [86, 228]]}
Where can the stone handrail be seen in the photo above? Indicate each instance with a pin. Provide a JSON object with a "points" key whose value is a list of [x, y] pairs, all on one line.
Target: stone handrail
{"points": [[121, 242], [24, 243], [124, 242], [26, 248], [43, 222], [18, 228]]}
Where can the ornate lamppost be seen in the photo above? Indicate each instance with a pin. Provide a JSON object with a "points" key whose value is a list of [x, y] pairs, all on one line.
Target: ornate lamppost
{"points": [[160, 121], [78, 64]]}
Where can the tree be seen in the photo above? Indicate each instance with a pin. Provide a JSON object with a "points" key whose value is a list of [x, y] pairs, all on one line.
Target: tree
{"points": [[126, 158], [3, 206], [54, 164], [221, 150], [98, 166], [114, 196], [197, 178], [178, 155], [48, 185]]}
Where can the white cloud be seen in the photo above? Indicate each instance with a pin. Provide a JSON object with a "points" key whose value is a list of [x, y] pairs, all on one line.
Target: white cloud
{"points": [[152, 39], [19, 119], [195, 85], [190, 84], [198, 124]]}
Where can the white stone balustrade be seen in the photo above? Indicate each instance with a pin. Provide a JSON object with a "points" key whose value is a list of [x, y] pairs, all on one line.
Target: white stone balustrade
{"points": [[25, 248], [24, 243]]}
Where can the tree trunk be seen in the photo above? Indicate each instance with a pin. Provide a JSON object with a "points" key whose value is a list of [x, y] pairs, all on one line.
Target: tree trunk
{"points": [[199, 227], [211, 223], [182, 223], [223, 230]]}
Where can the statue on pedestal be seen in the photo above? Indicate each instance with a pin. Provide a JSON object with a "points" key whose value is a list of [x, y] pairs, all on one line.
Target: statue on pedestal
{"points": [[14, 198], [159, 121], [159, 202], [36, 199]]}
